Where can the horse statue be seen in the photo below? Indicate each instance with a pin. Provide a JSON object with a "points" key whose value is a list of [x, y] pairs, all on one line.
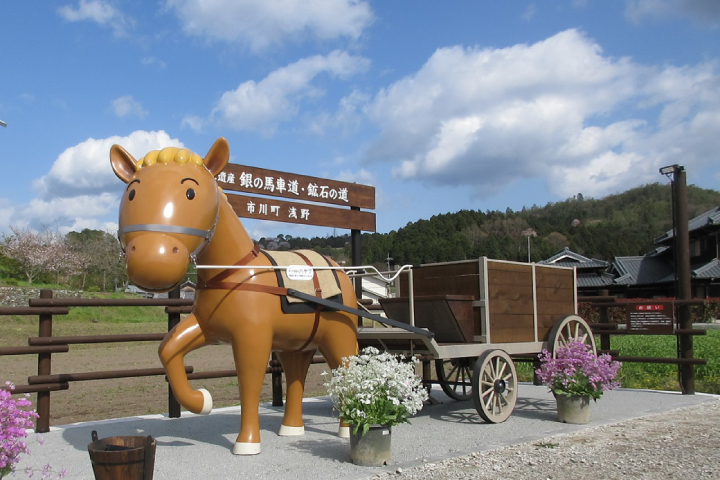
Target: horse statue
{"points": [[173, 212]]}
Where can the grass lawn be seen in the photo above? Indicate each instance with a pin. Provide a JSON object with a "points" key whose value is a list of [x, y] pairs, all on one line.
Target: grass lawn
{"points": [[657, 376]]}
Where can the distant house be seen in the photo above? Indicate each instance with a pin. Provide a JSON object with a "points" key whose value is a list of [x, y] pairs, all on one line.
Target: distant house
{"points": [[653, 275], [137, 291], [187, 290], [591, 273], [374, 289]]}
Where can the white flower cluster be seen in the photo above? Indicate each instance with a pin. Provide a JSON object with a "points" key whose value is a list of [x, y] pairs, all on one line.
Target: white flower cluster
{"points": [[376, 388]]}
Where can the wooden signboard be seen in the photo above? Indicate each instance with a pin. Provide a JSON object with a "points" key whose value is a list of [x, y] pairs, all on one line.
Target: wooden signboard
{"points": [[652, 318], [263, 208], [304, 189]]}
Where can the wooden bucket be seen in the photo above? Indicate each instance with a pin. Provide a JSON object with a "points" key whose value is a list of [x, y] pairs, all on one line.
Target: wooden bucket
{"points": [[121, 458]]}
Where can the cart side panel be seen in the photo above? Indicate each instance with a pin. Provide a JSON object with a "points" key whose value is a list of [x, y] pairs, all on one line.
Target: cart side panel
{"points": [[456, 278], [449, 317], [451, 278], [510, 299], [555, 296]]}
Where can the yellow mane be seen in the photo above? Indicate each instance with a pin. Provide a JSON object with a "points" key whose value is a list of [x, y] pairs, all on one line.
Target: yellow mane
{"points": [[170, 154]]}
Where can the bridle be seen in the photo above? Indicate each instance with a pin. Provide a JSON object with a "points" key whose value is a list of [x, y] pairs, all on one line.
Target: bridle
{"points": [[206, 235]]}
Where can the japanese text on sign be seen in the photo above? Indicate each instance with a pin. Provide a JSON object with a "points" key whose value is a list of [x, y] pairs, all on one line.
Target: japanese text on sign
{"points": [[652, 318], [275, 211], [281, 185]]}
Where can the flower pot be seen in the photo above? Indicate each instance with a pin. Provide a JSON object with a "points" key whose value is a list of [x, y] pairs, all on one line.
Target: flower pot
{"points": [[573, 408], [371, 449], [122, 458]]}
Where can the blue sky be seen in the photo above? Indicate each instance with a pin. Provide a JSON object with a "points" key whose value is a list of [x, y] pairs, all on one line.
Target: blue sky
{"points": [[441, 106]]}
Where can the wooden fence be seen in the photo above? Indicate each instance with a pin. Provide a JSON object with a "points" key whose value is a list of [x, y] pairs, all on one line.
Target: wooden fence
{"points": [[652, 324], [45, 345]]}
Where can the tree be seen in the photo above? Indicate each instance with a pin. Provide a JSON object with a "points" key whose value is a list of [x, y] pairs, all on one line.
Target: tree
{"points": [[39, 253], [99, 254]]}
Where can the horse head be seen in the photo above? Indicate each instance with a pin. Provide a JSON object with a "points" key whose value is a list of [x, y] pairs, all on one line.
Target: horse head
{"points": [[168, 212]]}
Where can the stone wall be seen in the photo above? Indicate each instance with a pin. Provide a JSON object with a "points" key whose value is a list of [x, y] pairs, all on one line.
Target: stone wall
{"points": [[19, 296]]}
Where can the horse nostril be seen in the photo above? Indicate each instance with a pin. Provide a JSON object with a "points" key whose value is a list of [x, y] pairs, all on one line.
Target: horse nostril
{"points": [[132, 249], [175, 250]]}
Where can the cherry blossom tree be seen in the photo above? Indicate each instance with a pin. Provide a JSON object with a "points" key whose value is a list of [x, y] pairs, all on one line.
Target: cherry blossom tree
{"points": [[39, 253]]}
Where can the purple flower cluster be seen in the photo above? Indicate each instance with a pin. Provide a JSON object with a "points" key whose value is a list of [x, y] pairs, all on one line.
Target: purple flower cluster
{"points": [[14, 421], [576, 370]]}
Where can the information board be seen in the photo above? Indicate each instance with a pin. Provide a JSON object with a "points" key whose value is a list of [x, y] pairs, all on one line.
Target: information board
{"points": [[653, 318]]}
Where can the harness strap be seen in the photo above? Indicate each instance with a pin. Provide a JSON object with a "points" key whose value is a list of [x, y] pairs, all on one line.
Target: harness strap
{"points": [[227, 272], [217, 283], [318, 308], [252, 287], [316, 281]]}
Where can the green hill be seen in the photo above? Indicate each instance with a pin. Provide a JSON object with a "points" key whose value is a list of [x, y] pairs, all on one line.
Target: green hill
{"points": [[617, 225]]}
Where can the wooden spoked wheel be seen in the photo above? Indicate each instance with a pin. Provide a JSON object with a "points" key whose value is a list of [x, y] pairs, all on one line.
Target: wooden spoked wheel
{"points": [[494, 386], [569, 329], [455, 377]]}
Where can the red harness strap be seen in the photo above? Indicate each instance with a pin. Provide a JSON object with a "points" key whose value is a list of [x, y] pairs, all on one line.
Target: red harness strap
{"points": [[217, 283], [318, 293], [227, 272]]}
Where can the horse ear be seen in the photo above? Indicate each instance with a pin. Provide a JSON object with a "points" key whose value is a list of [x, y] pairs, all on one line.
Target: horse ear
{"points": [[123, 164], [218, 156]]}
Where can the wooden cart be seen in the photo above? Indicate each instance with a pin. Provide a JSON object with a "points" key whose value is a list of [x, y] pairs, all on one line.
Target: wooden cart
{"points": [[470, 317]]}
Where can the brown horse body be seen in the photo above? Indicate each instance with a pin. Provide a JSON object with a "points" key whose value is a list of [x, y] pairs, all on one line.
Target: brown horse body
{"points": [[173, 210]]}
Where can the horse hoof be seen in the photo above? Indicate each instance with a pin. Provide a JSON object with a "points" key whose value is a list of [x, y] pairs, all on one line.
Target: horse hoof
{"points": [[344, 432], [286, 431], [207, 402], [246, 448]]}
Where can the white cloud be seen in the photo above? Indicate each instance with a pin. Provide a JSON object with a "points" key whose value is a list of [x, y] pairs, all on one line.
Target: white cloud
{"points": [[530, 12], [72, 213], [153, 61], [702, 12], [362, 176], [98, 11], [6, 213], [84, 169], [261, 106], [557, 109], [261, 24], [80, 190], [127, 106], [346, 119]]}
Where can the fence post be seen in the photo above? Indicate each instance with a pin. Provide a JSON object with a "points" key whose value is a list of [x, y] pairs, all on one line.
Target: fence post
{"points": [[44, 368], [276, 376], [173, 319], [682, 277], [604, 317]]}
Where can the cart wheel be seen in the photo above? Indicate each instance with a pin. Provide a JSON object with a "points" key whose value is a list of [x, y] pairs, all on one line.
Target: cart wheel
{"points": [[455, 377], [568, 329], [495, 386]]}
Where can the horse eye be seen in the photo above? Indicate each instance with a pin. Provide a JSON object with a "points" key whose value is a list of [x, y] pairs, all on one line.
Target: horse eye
{"points": [[131, 195], [190, 194]]}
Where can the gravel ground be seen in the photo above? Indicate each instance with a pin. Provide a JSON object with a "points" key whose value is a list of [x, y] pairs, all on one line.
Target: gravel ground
{"points": [[673, 445]]}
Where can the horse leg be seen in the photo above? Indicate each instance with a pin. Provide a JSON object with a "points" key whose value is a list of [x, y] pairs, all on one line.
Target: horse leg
{"points": [[181, 340], [295, 365], [251, 362], [341, 343]]}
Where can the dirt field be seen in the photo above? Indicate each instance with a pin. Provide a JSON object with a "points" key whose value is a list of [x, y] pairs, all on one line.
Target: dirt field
{"points": [[101, 399]]}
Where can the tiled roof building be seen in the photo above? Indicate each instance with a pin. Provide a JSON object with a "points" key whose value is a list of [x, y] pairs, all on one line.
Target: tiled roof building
{"points": [[653, 274]]}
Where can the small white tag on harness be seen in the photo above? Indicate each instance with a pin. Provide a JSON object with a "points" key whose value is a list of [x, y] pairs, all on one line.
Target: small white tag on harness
{"points": [[299, 272]]}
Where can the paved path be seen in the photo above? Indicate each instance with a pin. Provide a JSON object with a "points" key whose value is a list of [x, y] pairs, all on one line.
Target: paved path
{"points": [[195, 447]]}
